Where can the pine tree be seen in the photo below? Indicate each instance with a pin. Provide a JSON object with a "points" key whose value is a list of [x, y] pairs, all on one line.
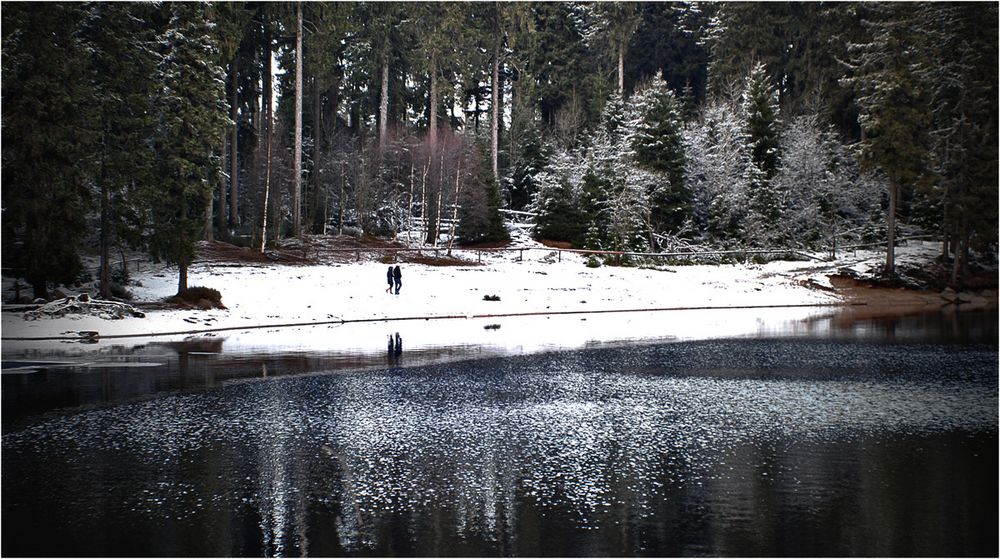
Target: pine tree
{"points": [[796, 41], [480, 220], [626, 205], [658, 144], [556, 202], [122, 67], [760, 113], [894, 105], [959, 66], [529, 158], [48, 141], [563, 66], [669, 41], [716, 171], [615, 23], [192, 122], [439, 33]]}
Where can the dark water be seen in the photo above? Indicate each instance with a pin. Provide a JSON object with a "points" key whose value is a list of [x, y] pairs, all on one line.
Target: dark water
{"points": [[867, 443]]}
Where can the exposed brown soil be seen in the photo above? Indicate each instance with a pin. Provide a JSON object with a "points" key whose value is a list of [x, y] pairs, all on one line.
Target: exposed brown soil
{"points": [[557, 244], [864, 291], [874, 300]]}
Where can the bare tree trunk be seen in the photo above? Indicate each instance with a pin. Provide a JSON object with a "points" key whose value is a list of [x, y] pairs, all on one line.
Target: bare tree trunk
{"points": [[954, 269], [432, 120], [423, 199], [343, 182], [297, 185], [317, 134], [432, 135], [182, 276], [105, 274], [326, 212], [209, 226], [964, 268], [234, 168], [437, 222], [267, 189], [265, 122], [454, 214], [223, 189], [495, 124], [890, 254], [383, 108], [621, 69], [409, 207], [182, 264], [361, 191]]}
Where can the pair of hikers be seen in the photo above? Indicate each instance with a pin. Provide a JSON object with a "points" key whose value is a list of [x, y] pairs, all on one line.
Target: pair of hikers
{"points": [[394, 276]]}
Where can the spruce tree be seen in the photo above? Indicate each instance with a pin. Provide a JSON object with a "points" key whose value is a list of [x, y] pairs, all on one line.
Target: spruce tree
{"points": [[49, 141], [480, 220], [717, 172], [894, 105], [594, 201], [659, 147], [122, 67], [959, 66], [760, 111], [556, 202], [192, 124], [528, 158]]}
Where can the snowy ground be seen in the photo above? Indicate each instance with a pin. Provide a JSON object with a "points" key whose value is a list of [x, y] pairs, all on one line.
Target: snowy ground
{"points": [[322, 296]]}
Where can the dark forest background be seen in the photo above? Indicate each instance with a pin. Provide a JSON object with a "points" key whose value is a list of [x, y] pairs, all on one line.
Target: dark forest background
{"points": [[623, 126]]}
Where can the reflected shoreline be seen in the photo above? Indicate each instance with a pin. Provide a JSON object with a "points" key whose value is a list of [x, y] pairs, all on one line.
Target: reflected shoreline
{"points": [[65, 377]]}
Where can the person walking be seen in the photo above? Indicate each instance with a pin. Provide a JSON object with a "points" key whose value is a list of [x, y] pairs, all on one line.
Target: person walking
{"points": [[398, 276], [388, 277]]}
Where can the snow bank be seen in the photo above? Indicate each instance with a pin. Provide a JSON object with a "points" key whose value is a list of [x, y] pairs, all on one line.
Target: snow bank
{"points": [[278, 294]]}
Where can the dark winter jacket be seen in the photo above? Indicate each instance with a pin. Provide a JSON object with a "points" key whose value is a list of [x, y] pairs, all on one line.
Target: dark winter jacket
{"points": [[388, 275], [396, 273]]}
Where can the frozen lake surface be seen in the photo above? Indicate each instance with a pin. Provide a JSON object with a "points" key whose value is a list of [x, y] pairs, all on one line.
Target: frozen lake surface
{"points": [[876, 440]]}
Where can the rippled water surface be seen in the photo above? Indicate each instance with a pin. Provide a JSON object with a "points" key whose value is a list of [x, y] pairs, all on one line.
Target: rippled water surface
{"points": [[730, 447]]}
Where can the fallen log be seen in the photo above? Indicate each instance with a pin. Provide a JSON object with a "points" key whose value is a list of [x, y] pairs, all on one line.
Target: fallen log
{"points": [[83, 305]]}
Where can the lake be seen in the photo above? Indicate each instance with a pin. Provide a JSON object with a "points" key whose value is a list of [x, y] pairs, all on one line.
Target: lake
{"points": [[874, 437]]}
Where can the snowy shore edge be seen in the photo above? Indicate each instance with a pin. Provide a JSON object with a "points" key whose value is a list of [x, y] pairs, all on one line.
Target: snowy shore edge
{"points": [[543, 302]]}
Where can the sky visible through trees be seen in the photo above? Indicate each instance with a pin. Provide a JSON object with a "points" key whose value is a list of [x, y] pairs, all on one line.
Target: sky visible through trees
{"points": [[622, 126]]}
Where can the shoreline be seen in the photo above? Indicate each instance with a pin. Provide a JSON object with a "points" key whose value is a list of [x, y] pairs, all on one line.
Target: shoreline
{"points": [[276, 304]]}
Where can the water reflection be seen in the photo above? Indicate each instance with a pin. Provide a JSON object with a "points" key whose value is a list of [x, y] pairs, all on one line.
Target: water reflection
{"points": [[40, 381], [734, 447], [394, 351]]}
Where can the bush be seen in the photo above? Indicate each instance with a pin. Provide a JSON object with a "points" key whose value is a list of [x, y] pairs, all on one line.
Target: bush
{"points": [[593, 262], [119, 275], [200, 297], [119, 291], [491, 297]]}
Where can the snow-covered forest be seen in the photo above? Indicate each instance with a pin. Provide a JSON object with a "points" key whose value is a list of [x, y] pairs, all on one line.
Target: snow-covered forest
{"points": [[621, 126]]}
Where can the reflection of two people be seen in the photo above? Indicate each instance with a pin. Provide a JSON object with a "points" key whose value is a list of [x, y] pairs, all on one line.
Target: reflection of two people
{"points": [[395, 349]]}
